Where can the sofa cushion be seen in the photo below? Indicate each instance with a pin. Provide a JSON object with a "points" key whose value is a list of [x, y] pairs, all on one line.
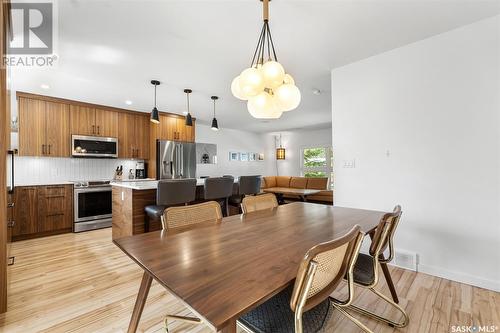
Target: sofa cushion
{"points": [[283, 181], [269, 181], [298, 182], [317, 183]]}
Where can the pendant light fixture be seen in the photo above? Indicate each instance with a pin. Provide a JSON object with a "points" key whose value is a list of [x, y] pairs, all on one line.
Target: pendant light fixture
{"points": [[189, 119], [265, 85], [155, 117], [280, 152], [215, 125]]}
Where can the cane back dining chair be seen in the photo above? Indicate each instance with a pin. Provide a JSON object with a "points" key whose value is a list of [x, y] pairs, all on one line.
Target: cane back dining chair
{"points": [[306, 306], [183, 218], [366, 269], [258, 202]]}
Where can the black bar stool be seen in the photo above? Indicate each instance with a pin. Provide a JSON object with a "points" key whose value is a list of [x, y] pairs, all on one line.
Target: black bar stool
{"points": [[170, 192], [247, 185], [219, 189]]}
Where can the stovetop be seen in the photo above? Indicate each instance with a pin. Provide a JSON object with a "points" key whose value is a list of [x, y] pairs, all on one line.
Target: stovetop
{"points": [[91, 183]]}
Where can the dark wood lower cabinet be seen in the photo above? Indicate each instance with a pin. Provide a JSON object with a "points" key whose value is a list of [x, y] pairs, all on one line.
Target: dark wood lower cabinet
{"points": [[42, 210]]}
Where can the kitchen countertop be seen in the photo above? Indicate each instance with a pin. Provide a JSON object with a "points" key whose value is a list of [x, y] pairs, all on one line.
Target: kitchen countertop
{"points": [[147, 184], [43, 183]]}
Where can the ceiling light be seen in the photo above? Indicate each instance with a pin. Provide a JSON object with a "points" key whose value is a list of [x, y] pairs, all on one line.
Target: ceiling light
{"points": [[189, 119], [265, 85], [215, 124], [128, 102], [155, 117], [44, 86]]}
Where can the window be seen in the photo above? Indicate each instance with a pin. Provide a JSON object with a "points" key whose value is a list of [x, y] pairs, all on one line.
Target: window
{"points": [[317, 162]]}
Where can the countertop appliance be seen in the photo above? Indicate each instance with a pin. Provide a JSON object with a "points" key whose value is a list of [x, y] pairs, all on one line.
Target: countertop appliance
{"points": [[140, 170], [175, 159], [92, 206], [94, 146]]}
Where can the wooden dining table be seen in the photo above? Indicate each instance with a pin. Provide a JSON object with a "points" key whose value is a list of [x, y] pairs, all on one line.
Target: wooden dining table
{"points": [[223, 269]]}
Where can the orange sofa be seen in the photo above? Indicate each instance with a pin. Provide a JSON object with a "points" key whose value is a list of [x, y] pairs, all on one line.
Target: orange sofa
{"points": [[301, 182]]}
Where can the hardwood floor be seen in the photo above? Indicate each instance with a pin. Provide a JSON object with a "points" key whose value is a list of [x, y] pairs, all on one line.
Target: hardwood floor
{"points": [[83, 283]]}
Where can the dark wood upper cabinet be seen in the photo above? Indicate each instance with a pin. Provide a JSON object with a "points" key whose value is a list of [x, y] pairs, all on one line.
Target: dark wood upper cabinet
{"points": [[93, 121], [133, 136], [43, 128]]}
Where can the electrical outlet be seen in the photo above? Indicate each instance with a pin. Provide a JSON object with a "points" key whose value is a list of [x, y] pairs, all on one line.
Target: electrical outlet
{"points": [[406, 259]]}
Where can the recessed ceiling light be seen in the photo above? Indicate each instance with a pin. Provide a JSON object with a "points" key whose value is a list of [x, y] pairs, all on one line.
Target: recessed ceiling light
{"points": [[128, 102], [45, 86], [317, 92]]}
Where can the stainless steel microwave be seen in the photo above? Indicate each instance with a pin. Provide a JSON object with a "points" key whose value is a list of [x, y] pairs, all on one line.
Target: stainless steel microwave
{"points": [[94, 146]]}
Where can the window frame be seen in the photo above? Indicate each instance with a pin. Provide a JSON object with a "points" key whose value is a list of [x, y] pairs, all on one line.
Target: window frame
{"points": [[328, 169]]}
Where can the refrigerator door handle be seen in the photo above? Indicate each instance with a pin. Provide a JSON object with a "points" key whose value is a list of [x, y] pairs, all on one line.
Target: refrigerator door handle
{"points": [[182, 160]]}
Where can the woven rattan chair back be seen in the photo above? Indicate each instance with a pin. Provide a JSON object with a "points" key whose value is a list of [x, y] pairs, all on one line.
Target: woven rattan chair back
{"points": [[258, 202], [186, 216], [322, 269], [384, 234]]}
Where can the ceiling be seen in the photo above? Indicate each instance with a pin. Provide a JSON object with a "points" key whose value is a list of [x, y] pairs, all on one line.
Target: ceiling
{"points": [[110, 50]]}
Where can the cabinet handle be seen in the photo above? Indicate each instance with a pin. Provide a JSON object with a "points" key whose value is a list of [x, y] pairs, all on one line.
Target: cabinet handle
{"points": [[93, 129], [12, 261], [11, 224], [10, 205], [43, 149], [49, 148], [98, 129]]}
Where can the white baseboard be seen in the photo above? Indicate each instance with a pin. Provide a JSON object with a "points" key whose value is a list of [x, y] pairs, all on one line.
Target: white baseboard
{"points": [[460, 277]]}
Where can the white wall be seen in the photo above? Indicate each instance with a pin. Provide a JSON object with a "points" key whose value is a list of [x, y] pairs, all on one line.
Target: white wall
{"points": [[231, 140], [422, 123], [293, 142]]}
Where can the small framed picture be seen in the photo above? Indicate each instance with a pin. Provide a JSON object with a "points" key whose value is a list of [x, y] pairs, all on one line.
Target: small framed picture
{"points": [[234, 156], [261, 157], [252, 156], [244, 157]]}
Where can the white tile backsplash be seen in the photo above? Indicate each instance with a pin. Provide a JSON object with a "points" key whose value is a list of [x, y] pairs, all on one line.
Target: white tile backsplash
{"points": [[46, 170]]}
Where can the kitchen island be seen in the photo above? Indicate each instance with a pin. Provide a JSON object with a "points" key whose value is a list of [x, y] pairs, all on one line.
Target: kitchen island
{"points": [[129, 199]]}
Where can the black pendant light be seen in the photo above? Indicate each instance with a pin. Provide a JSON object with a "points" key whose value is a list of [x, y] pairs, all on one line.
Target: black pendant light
{"points": [[215, 125], [189, 119], [155, 117]]}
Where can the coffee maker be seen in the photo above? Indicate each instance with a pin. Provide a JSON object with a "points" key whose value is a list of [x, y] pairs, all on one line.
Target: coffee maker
{"points": [[140, 170]]}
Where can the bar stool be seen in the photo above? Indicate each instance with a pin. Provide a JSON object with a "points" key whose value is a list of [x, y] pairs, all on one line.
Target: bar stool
{"points": [[247, 185], [170, 192], [219, 189]]}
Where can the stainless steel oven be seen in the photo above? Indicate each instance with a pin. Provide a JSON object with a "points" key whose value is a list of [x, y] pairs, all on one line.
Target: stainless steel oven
{"points": [[93, 208]]}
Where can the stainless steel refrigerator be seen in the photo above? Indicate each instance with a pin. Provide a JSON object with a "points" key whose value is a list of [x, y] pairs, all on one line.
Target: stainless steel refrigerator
{"points": [[175, 159]]}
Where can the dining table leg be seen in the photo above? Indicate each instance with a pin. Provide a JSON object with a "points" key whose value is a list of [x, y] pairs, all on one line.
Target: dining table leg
{"points": [[142, 295], [387, 275], [389, 281], [230, 327]]}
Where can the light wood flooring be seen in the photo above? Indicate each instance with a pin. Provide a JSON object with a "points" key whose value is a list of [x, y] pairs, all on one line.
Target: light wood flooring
{"points": [[83, 283]]}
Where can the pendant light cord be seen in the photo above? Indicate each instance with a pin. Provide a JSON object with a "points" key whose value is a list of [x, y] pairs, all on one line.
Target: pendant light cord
{"points": [[155, 95], [214, 108], [265, 40], [187, 95]]}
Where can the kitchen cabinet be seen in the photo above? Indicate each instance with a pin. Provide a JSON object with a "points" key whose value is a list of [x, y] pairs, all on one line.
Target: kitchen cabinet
{"points": [[93, 121], [133, 136], [42, 210], [43, 128], [174, 129]]}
